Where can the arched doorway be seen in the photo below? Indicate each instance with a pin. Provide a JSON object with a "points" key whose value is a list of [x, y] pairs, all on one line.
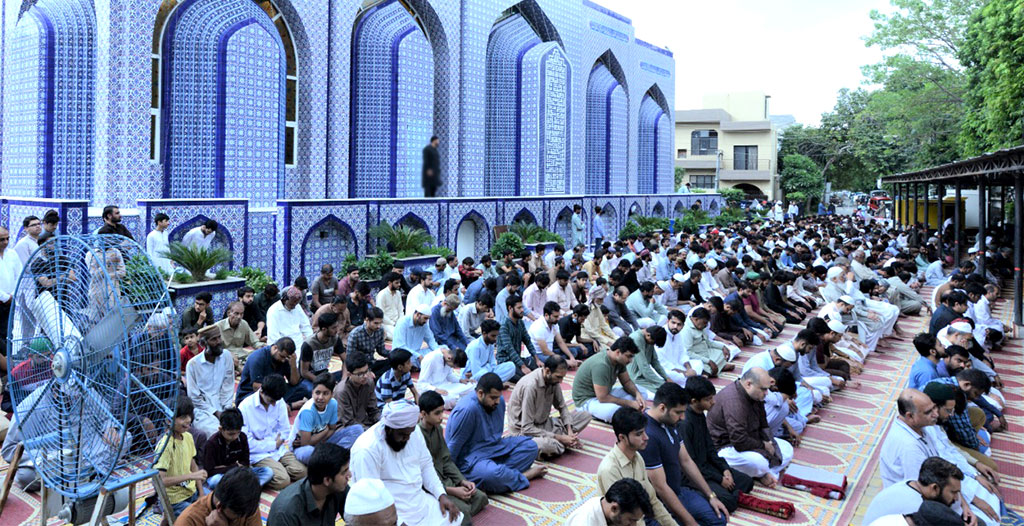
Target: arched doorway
{"points": [[329, 241]]}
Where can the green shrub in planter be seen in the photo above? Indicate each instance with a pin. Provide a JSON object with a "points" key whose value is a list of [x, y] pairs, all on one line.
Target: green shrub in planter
{"points": [[732, 196], [507, 241], [254, 277], [196, 260], [401, 238], [630, 229], [649, 224]]}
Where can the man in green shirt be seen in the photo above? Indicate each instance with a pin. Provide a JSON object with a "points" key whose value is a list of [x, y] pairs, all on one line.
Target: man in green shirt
{"points": [[464, 493], [645, 369], [593, 388]]}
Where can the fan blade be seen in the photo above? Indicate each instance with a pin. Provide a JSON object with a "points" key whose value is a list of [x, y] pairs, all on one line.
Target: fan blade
{"points": [[50, 317], [111, 329]]}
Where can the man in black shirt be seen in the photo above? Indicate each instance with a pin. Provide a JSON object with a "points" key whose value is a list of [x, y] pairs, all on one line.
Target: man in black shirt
{"points": [[326, 482], [112, 223], [570, 328], [431, 167], [726, 483]]}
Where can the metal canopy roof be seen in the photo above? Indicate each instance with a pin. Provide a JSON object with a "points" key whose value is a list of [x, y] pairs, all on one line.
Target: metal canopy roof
{"points": [[998, 167]]}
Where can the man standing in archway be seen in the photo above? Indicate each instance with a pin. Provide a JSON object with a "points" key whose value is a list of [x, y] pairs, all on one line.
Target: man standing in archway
{"points": [[431, 167], [578, 227]]}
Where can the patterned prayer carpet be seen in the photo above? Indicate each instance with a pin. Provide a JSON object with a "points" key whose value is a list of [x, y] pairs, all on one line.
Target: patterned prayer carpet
{"points": [[846, 441]]}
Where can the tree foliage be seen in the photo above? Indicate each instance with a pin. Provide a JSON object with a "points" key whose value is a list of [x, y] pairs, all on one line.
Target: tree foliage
{"points": [[802, 175], [994, 56]]}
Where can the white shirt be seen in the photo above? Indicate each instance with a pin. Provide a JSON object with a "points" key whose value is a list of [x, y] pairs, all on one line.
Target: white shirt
{"points": [[195, 238], [390, 302], [408, 474], [673, 353], [434, 372], [10, 270], [211, 386], [157, 243], [25, 247], [540, 331], [590, 513], [263, 426], [293, 323], [419, 295]]}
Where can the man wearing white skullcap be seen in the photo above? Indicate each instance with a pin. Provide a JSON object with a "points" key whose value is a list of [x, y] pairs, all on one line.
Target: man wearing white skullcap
{"points": [[369, 503], [394, 451], [413, 331]]}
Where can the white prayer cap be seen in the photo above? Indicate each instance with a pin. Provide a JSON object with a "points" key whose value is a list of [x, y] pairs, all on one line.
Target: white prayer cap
{"points": [[786, 352], [834, 272], [961, 326], [801, 266], [972, 250], [837, 326], [703, 236], [400, 414], [663, 285], [711, 263], [367, 496], [781, 244], [846, 299], [678, 276], [423, 309]]}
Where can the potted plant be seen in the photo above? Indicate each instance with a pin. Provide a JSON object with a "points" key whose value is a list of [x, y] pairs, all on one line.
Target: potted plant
{"points": [[401, 238], [196, 260]]}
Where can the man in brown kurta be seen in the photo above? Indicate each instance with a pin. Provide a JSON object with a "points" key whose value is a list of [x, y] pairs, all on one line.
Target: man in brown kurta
{"points": [[529, 409], [739, 428]]}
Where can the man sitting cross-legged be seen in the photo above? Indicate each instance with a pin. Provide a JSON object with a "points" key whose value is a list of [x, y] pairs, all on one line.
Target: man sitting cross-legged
{"points": [[593, 388], [646, 370], [463, 493], [266, 424], [480, 355], [726, 483], [394, 451], [210, 381], [529, 409], [624, 461], [676, 478], [495, 464], [739, 429]]}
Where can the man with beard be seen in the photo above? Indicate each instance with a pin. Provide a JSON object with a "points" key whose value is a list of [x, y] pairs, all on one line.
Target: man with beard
{"points": [[394, 451], [674, 356], [624, 504], [529, 409], [112, 223], [210, 381], [493, 463], [939, 481], [321, 496], [925, 369]]}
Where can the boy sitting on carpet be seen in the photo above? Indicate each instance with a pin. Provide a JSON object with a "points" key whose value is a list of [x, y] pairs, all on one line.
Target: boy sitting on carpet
{"points": [[177, 464]]}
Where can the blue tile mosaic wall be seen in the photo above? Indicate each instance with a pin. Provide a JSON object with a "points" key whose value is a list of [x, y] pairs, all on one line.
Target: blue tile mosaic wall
{"points": [[572, 109]]}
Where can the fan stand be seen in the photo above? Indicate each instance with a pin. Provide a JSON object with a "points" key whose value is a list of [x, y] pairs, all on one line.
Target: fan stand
{"points": [[98, 519]]}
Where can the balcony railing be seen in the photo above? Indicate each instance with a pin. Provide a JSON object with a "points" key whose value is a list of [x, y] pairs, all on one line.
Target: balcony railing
{"points": [[747, 163]]}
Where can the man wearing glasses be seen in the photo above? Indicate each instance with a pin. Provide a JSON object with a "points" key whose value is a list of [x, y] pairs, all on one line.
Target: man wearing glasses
{"points": [[30, 242], [10, 269]]}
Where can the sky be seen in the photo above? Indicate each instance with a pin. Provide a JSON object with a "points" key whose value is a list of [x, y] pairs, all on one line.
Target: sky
{"points": [[801, 52]]}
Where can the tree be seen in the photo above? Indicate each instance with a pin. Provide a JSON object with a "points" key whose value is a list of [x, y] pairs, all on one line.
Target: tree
{"points": [[802, 175], [994, 56], [680, 175]]}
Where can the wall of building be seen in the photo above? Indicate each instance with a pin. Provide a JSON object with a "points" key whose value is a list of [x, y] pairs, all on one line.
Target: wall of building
{"points": [[188, 107]]}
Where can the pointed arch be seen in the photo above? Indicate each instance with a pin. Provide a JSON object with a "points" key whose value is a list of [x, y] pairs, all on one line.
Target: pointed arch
{"points": [[658, 210], [399, 86], [526, 216], [333, 241], [218, 145], [563, 223], [49, 130], [222, 238], [413, 220], [655, 143], [529, 86], [482, 234], [607, 126]]}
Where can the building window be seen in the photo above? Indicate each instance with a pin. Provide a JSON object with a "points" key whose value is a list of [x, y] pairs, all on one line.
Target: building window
{"points": [[681, 153], [704, 142], [702, 181], [744, 158], [270, 8]]}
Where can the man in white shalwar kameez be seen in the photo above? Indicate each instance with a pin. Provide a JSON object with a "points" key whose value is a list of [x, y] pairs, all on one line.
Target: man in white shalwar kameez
{"points": [[674, 356], [437, 374], [394, 451]]}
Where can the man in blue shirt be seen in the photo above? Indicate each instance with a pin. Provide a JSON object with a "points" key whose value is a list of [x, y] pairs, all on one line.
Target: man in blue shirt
{"points": [[925, 369], [689, 498], [278, 358], [445, 325], [598, 224]]}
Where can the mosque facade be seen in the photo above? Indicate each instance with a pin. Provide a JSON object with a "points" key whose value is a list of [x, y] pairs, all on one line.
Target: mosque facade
{"points": [[299, 124]]}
